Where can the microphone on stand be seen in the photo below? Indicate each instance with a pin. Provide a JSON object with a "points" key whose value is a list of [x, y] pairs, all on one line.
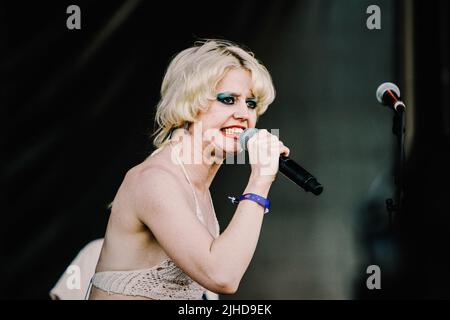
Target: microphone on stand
{"points": [[288, 167], [388, 94]]}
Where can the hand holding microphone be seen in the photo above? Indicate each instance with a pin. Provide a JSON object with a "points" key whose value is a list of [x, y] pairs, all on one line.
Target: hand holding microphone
{"points": [[267, 145], [264, 149]]}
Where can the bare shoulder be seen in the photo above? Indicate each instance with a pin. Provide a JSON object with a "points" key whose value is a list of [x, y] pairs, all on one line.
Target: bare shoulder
{"points": [[154, 182], [153, 173], [153, 170]]}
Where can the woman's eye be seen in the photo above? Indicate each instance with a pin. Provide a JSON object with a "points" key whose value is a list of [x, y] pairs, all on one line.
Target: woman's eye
{"points": [[251, 104], [226, 99], [230, 100]]}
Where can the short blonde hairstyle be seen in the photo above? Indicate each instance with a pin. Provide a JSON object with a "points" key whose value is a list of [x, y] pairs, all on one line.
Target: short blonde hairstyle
{"points": [[191, 79]]}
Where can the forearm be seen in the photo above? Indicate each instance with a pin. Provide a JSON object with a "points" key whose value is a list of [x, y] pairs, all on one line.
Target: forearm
{"points": [[233, 250]]}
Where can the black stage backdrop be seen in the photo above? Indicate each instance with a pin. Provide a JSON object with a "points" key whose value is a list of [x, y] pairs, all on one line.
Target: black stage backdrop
{"points": [[78, 108], [425, 227]]}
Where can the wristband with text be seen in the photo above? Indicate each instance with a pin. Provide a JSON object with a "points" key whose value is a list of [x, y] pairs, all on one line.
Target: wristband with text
{"points": [[255, 198]]}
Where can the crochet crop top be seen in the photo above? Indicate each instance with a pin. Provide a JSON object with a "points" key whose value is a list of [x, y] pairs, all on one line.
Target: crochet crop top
{"points": [[163, 281]]}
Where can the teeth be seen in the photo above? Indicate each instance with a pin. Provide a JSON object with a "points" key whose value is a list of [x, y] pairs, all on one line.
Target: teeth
{"points": [[233, 130]]}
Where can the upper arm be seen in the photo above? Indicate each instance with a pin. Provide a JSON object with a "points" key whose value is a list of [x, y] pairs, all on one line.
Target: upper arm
{"points": [[162, 205]]}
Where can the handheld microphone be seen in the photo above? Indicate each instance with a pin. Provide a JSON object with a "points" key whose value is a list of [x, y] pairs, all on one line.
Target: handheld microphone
{"points": [[388, 94], [288, 167]]}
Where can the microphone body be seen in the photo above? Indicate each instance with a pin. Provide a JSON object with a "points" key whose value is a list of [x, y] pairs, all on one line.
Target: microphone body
{"points": [[388, 94], [299, 176], [288, 167]]}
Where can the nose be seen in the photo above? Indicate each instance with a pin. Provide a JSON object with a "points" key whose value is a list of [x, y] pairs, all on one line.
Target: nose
{"points": [[241, 111]]}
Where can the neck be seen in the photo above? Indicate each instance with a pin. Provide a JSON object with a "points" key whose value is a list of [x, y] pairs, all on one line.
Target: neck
{"points": [[198, 158]]}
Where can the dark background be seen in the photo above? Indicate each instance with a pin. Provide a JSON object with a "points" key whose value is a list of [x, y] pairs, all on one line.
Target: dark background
{"points": [[78, 108]]}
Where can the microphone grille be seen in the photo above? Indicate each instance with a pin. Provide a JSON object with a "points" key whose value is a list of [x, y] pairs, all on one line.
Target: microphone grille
{"points": [[245, 136], [386, 86]]}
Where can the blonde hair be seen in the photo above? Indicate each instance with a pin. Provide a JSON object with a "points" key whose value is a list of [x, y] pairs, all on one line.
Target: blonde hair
{"points": [[192, 77]]}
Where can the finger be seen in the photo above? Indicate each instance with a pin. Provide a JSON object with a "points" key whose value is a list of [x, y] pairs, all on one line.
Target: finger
{"points": [[284, 150]]}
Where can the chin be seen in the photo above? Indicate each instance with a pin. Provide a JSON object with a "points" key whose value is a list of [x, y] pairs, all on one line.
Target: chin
{"points": [[229, 146], [223, 145]]}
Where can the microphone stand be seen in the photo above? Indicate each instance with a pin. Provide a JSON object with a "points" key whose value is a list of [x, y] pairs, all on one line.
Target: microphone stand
{"points": [[395, 206]]}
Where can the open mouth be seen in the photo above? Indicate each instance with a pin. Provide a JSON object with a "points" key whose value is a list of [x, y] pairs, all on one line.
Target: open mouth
{"points": [[232, 132]]}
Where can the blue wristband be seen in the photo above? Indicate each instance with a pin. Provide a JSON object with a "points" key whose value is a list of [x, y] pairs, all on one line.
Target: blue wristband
{"points": [[256, 198]]}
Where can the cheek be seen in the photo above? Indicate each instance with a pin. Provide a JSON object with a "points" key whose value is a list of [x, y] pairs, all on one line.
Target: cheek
{"points": [[212, 123], [217, 115]]}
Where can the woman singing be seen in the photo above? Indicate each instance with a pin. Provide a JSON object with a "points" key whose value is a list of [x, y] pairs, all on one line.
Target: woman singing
{"points": [[163, 239]]}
